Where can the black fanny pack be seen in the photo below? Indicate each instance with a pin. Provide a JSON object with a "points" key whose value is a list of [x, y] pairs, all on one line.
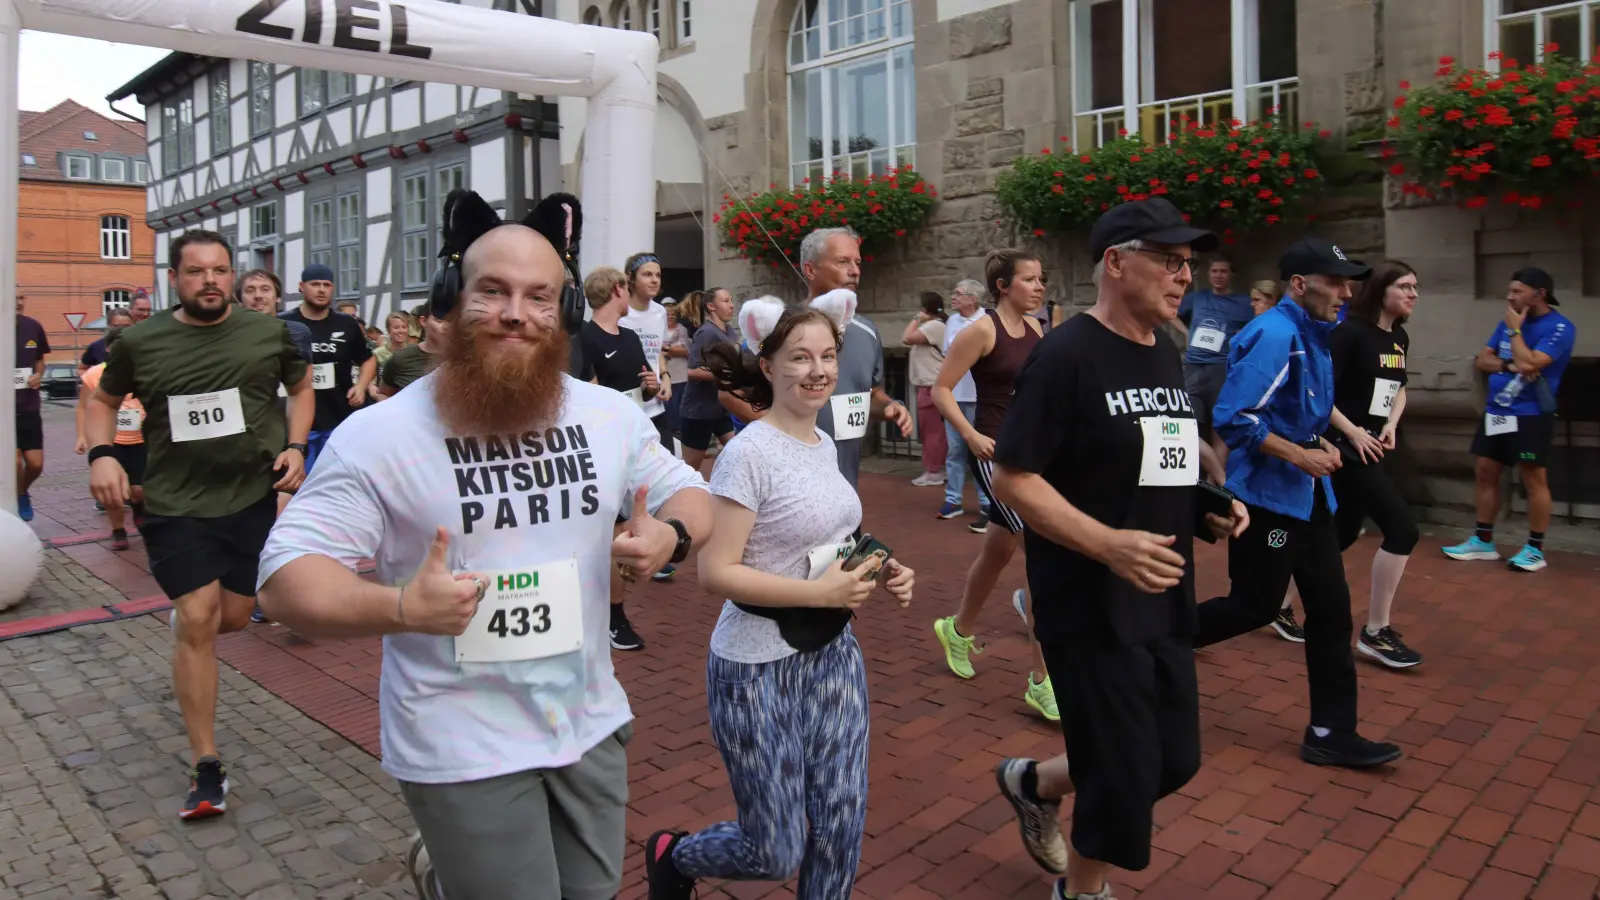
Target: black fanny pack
{"points": [[806, 630]]}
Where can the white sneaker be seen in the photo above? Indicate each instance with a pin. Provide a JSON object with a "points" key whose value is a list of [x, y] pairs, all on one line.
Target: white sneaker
{"points": [[1019, 602], [420, 868], [928, 479]]}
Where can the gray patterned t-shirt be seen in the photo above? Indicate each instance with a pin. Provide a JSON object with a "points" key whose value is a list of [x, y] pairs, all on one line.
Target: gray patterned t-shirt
{"points": [[801, 502]]}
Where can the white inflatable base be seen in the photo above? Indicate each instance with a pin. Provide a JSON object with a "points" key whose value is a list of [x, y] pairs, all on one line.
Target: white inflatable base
{"points": [[24, 558]]}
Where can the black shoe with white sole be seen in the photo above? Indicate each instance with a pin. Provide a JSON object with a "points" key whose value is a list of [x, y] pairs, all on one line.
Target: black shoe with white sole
{"points": [[1346, 750], [1386, 647], [623, 637], [1287, 628]]}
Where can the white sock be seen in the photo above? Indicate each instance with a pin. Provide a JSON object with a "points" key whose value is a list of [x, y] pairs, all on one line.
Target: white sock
{"points": [[1386, 571], [1319, 731]]}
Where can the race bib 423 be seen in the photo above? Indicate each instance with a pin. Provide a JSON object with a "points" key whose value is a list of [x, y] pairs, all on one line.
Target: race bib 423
{"points": [[850, 414]]}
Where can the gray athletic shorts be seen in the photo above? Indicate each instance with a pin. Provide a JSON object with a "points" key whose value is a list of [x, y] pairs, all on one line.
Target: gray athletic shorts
{"points": [[542, 834], [1204, 383]]}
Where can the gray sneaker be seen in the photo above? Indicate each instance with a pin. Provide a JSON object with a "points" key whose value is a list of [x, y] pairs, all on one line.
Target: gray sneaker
{"points": [[421, 869], [1038, 820], [1059, 892]]}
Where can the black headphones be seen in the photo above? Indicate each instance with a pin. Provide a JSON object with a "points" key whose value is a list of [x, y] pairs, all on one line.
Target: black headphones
{"points": [[559, 217]]}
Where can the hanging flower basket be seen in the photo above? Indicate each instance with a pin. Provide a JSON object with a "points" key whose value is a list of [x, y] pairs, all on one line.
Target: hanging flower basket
{"points": [[767, 228], [1227, 177], [1525, 136]]}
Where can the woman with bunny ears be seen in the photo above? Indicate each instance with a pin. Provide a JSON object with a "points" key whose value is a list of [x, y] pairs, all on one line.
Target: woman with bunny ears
{"points": [[785, 682]]}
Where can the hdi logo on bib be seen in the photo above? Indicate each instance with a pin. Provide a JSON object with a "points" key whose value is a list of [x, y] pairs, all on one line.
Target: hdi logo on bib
{"points": [[856, 399], [517, 581], [1171, 428]]}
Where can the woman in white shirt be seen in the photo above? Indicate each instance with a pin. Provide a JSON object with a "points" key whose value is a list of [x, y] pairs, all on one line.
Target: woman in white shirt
{"points": [[785, 681], [925, 336]]}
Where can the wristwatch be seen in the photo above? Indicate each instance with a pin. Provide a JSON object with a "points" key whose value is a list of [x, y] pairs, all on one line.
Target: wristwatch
{"points": [[681, 551], [304, 450], [1512, 332]]}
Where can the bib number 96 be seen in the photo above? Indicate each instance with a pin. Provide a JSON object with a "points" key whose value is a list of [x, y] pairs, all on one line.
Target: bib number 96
{"points": [[520, 621]]}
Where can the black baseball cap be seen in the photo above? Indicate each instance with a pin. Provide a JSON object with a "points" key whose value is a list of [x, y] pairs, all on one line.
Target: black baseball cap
{"points": [[1538, 279], [1312, 255], [1155, 220]]}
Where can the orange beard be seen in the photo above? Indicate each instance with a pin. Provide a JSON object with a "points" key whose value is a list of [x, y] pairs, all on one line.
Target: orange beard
{"points": [[488, 385]]}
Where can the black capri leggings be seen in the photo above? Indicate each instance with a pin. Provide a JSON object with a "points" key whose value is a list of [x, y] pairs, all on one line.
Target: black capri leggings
{"points": [[1366, 490]]}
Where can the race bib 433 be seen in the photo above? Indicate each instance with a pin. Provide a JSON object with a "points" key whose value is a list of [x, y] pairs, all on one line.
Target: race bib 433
{"points": [[526, 614]]}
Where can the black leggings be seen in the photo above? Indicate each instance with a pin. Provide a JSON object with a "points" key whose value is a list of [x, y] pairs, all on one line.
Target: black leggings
{"points": [[1366, 490]]}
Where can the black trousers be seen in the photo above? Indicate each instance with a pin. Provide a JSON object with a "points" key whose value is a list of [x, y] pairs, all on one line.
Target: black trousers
{"points": [[1260, 563], [1366, 490]]}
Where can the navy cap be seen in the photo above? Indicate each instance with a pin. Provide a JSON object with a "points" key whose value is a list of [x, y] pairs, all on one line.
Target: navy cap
{"points": [[1314, 256], [1155, 220], [316, 272]]}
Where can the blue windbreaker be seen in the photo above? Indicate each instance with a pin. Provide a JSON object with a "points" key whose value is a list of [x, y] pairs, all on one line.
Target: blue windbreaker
{"points": [[1280, 381]]}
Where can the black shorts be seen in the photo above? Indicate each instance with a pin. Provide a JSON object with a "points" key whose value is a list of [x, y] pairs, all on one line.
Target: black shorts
{"points": [[1131, 719], [1529, 445], [664, 429], [999, 513], [187, 553], [132, 457], [30, 431], [697, 433]]}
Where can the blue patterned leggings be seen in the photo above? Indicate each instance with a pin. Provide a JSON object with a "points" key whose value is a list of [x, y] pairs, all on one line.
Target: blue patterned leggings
{"points": [[793, 736]]}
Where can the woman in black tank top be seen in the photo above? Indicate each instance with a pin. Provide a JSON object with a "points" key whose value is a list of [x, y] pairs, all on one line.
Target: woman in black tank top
{"points": [[993, 348]]}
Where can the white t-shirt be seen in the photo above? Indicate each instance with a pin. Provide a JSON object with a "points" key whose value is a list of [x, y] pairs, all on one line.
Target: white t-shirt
{"points": [[651, 326], [393, 474], [801, 502], [966, 391], [678, 366]]}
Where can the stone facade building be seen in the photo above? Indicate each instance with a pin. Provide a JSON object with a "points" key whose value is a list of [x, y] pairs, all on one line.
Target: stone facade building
{"points": [[753, 91]]}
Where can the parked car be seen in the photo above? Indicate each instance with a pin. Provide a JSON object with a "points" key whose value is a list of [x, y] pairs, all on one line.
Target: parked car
{"points": [[60, 381]]}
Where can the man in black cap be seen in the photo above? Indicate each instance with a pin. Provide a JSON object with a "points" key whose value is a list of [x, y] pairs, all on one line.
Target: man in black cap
{"points": [[1101, 455], [1272, 411], [1525, 358], [338, 345]]}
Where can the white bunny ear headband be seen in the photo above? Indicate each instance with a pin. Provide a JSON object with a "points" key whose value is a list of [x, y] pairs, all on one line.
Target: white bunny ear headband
{"points": [[838, 305], [757, 318]]}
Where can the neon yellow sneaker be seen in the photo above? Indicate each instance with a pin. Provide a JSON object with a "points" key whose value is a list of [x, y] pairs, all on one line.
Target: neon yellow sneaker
{"points": [[957, 649], [1042, 697]]}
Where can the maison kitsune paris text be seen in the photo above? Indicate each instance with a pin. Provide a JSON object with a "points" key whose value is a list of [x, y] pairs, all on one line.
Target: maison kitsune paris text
{"points": [[545, 475]]}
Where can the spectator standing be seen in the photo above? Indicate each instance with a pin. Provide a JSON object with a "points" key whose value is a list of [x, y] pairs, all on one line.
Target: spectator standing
{"points": [[925, 336]]}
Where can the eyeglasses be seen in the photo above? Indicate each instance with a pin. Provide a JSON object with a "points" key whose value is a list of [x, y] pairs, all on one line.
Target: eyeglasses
{"points": [[1175, 261]]}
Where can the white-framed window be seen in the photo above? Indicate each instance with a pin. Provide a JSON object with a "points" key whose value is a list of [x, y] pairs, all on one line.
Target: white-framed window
{"points": [[852, 88], [1137, 65], [261, 77], [320, 89], [113, 170], [347, 231], [221, 111], [1521, 29], [319, 231], [116, 238], [115, 298], [28, 159], [79, 168], [624, 15], [177, 135], [141, 171], [446, 179], [414, 228], [264, 220], [652, 17], [685, 29], [90, 136], [591, 16]]}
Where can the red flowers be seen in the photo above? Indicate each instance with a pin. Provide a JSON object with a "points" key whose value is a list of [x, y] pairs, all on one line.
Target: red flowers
{"points": [[1540, 162]]}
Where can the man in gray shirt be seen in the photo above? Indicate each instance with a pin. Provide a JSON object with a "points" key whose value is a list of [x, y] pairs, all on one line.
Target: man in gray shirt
{"points": [[830, 259]]}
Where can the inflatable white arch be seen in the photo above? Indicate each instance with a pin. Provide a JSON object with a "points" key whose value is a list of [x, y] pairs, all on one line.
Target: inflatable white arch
{"points": [[423, 40]]}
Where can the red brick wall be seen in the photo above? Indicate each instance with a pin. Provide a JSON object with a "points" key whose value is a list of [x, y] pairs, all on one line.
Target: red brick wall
{"points": [[59, 269]]}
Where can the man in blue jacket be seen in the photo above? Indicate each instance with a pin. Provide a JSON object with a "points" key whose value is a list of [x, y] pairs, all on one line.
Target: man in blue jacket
{"points": [[1272, 412]]}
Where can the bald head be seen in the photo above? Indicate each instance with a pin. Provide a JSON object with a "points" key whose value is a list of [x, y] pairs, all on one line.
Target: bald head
{"points": [[512, 271]]}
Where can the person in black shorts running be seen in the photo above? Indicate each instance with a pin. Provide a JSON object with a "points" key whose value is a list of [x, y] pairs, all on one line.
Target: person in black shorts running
{"points": [[207, 376], [32, 347], [703, 414], [1101, 456], [619, 362], [993, 349]]}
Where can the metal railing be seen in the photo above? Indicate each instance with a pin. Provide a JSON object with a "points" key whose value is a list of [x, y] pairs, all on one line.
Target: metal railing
{"points": [[1098, 127], [1161, 120], [1274, 98]]}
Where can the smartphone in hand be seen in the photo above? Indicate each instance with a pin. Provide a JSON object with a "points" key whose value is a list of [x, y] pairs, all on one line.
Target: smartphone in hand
{"points": [[866, 549]]}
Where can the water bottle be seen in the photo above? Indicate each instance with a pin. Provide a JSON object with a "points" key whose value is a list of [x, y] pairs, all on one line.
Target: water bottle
{"points": [[1508, 394]]}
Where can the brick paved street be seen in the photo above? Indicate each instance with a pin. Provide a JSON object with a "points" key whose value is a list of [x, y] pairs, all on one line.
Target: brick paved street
{"points": [[1497, 799]]}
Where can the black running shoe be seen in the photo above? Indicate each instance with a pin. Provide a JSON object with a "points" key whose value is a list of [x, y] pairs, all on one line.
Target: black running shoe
{"points": [[119, 539], [1287, 628], [666, 882], [1347, 750], [980, 525], [1387, 648], [623, 637], [208, 790]]}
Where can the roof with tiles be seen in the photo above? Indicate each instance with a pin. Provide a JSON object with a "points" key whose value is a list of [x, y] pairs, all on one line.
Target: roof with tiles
{"points": [[64, 128]]}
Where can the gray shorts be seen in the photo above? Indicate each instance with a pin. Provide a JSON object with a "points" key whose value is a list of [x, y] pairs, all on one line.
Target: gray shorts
{"points": [[542, 834], [1204, 383]]}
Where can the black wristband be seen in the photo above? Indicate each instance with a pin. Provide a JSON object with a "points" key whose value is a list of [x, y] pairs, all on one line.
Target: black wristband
{"points": [[97, 452], [681, 551]]}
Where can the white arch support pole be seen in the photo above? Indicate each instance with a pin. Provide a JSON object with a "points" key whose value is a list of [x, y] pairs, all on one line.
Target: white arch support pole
{"points": [[422, 40]]}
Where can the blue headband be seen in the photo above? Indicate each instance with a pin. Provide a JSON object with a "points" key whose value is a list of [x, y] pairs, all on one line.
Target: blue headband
{"points": [[640, 262]]}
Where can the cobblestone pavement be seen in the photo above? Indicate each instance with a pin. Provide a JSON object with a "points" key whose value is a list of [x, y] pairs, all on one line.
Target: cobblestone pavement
{"points": [[63, 586], [1496, 801], [93, 764]]}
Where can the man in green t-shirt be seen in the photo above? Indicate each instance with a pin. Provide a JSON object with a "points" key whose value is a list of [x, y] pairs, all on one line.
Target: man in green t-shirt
{"points": [[218, 450], [414, 360]]}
